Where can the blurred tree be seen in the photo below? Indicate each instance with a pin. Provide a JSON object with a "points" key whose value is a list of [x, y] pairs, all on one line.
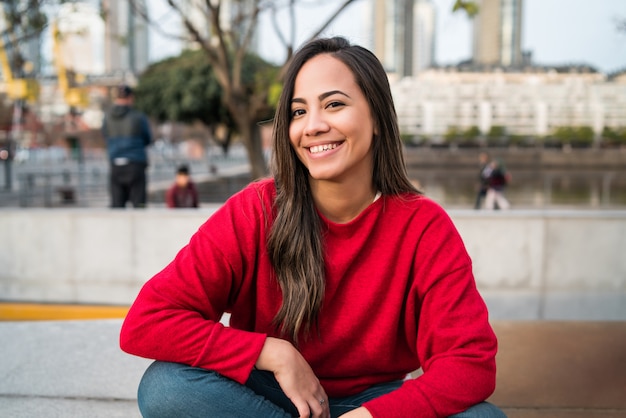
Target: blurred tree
{"points": [[185, 89], [612, 137], [576, 136], [472, 132], [452, 134]]}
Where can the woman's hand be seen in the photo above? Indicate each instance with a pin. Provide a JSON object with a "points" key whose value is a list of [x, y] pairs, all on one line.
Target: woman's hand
{"points": [[357, 413], [295, 377]]}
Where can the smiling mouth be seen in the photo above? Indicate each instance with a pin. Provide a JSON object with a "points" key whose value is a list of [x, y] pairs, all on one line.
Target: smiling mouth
{"points": [[316, 149]]}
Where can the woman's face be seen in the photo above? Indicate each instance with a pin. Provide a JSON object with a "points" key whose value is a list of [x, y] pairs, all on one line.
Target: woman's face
{"points": [[331, 126]]}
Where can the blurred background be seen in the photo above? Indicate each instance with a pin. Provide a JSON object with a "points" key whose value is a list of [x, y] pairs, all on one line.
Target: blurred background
{"points": [[540, 85]]}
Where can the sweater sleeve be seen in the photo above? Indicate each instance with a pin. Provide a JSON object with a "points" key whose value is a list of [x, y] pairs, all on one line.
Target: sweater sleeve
{"points": [[455, 343], [176, 315]]}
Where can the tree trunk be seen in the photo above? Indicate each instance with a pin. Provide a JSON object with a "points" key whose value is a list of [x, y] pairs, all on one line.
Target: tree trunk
{"points": [[251, 138], [246, 119], [254, 145]]}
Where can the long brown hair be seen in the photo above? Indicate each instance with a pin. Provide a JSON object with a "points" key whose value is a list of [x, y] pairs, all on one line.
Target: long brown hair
{"points": [[295, 242]]}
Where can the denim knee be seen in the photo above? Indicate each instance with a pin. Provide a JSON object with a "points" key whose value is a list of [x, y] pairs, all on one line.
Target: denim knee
{"points": [[157, 393], [176, 390], [481, 410]]}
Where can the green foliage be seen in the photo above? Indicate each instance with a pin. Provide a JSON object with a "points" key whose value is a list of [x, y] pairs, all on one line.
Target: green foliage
{"points": [[26, 18], [496, 131], [452, 134], [497, 136], [576, 136], [185, 89], [180, 89], [470, 7], [614, 137], [472, 132], [462, 137], [407, 139]]}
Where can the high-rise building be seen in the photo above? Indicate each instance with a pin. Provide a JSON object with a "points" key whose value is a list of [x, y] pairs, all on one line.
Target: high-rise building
{"points": [[81, 33], [498, 33], [126, 37], [423, 35], [404, 35]]}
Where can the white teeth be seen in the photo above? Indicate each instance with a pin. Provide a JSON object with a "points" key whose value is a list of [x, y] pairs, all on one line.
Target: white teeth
{"points": [[320, 148]]}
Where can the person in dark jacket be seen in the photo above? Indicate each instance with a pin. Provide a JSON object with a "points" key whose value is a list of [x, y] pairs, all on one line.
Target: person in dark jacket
{"points": [[127, 134], [183, 193]]}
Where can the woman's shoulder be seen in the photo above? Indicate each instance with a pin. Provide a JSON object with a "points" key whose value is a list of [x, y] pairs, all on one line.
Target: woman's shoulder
{"points": [[412, 201], [263, 188], [258, 193]]}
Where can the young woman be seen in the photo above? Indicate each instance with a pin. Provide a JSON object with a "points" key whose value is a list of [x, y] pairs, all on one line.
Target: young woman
{"points": [[340, 278]]}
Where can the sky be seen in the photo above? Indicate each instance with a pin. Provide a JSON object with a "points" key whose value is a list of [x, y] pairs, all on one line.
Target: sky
{"points": [[555, 31]]}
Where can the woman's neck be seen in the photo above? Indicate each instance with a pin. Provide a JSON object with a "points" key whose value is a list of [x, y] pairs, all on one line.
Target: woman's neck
{"points": [[340, 202]]}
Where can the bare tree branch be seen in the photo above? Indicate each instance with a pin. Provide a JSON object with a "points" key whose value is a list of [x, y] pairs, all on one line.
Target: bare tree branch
{"points": [[143, 13], [277, 29], [245, 44], [330, 20]]}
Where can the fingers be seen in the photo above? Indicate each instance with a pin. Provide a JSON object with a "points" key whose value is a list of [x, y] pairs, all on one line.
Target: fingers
{"points": [[313, 407], [295, 377]]}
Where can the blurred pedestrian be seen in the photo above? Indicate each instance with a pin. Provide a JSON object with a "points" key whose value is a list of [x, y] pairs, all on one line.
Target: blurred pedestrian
{"points": [[183, 193], [497, 182], [483, 178], [127, 134]]}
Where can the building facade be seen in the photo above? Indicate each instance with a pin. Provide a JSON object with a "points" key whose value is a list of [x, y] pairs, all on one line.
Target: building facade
{"points": [[126, 38], [498, 33], [524, 103], [404, 35]]}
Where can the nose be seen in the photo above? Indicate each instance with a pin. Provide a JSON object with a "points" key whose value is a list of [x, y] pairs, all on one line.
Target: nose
{"points": [[315, 123]]}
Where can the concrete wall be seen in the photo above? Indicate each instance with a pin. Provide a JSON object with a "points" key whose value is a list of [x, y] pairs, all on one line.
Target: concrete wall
{"points": [[528, 264]]}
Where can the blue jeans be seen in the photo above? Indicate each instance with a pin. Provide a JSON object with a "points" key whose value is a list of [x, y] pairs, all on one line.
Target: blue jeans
{"points": [[175, 390]]}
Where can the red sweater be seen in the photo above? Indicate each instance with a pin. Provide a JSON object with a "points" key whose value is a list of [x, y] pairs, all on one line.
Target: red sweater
{"points": [[400, 295]]}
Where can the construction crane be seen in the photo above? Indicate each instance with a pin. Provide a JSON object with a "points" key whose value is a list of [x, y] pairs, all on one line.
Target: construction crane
{"points": [[74, 95], [17, 88]]}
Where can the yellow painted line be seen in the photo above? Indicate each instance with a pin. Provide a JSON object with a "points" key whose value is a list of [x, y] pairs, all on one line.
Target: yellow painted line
{"points": [[51, 311]]}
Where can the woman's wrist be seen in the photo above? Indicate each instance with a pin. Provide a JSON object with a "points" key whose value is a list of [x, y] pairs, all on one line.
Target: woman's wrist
{"points": [[275, 352]]}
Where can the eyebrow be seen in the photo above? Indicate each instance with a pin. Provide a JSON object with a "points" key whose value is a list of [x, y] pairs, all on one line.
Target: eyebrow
{"points": [[321, 96]]}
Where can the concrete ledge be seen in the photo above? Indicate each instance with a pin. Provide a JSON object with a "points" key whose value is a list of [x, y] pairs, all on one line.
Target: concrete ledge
{"points": [[546, 369], [555, 265]]}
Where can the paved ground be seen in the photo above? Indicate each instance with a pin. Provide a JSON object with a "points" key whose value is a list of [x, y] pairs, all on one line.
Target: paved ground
{"points": [[66, 369], [75, 369]]}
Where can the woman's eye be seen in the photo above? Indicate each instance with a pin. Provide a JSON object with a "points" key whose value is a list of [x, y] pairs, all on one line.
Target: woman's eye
{"points": [[334, 104], [297, 112]]}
